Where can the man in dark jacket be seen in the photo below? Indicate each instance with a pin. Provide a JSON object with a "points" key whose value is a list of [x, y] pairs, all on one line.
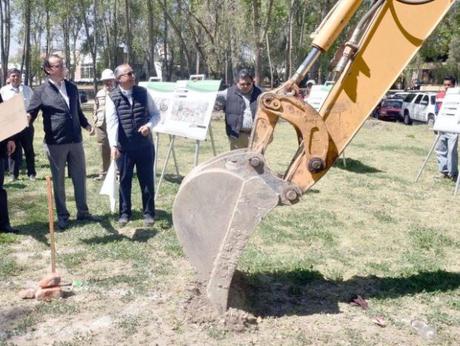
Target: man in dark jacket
{"points": [[131, 115], [7, 147], [240, 105], [63, 118]]}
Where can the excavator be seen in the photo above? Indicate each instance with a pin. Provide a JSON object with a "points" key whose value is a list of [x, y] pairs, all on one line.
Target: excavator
{"points": [[221, 201]]}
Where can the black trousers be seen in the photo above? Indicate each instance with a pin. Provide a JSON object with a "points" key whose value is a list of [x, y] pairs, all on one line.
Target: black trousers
{"points": [[24, 140], [4, 218], [142, 158]]}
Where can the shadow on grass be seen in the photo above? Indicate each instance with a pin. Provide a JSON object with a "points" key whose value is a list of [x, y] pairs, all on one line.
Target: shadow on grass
{"points": [[37, 230], [306, 292], [355, 166], [174, 178], [15, 185]]}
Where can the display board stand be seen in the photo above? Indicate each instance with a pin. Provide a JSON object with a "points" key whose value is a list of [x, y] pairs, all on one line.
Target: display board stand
{"points": [[171, 152]]}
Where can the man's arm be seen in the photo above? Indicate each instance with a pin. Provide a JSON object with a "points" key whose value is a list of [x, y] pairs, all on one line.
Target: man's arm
{"points": [[35, 104], [112, 126], [221, 100], [153, 112]]}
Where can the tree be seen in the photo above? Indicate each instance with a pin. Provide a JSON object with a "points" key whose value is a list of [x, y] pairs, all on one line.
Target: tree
{"points": [[5, 33]]}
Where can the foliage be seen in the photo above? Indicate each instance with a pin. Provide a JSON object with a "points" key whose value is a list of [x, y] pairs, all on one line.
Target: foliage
{"points": [[199, 36]]}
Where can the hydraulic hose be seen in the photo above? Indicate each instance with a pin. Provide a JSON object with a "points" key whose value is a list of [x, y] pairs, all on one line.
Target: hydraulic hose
{"points": [[415, 2]]}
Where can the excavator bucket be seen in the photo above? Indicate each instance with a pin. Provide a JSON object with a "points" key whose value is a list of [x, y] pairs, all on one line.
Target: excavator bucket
{"points": [[217, 208]]}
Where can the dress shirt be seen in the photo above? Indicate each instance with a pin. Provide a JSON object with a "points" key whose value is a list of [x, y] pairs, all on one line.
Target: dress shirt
{"points": [[62, 90], [112, 118], [8, 91]]}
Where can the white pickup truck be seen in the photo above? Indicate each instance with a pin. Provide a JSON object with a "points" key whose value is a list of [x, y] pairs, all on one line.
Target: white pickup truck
{"points": [[419, 106]]}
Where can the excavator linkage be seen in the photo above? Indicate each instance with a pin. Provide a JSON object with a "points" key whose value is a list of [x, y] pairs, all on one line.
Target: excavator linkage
{"points": [[221, 201]]}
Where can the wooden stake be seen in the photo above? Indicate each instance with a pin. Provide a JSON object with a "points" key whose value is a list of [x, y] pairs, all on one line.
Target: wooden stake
{"points": [[51, 224]]}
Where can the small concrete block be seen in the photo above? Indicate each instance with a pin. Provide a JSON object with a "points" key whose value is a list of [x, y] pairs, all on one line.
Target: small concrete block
{"points": [[50, 280], [28, 293], [48, 293]]}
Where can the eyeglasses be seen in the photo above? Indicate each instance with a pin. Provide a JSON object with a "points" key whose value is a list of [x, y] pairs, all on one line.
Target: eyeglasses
{"points": [[57, 66], [447, 85], [129, 74]]}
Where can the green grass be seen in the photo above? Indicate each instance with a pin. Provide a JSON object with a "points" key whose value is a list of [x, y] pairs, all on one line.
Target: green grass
{"points": [[365, 229]]}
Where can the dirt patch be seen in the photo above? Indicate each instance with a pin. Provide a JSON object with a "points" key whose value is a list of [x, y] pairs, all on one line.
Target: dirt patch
{"points": [[198, 310]]}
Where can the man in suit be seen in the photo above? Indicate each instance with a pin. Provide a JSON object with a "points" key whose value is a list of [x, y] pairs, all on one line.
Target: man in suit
{"points": [[63, 119], [7, 147]]}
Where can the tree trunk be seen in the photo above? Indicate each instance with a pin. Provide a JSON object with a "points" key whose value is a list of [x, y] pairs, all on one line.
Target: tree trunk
{"points": [[151, 52], [128, 33], [5, 32], [27, 53]]}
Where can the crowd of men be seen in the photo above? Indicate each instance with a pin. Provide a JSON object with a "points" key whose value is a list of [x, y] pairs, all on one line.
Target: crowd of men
{"points": [[123, 119]]}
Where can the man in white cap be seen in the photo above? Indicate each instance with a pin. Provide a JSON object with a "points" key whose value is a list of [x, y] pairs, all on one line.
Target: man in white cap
{"points": [[108, 79]]}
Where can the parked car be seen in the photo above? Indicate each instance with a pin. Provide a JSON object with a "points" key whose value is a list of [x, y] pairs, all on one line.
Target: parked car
{"points": [[401, 95], [390, 109], [83, 96], [419, 106]]}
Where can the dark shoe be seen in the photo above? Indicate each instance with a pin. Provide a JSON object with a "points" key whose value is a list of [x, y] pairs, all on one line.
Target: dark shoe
{"points": [[123, 220], [88, 217], [8, 229], [62, 224], [100, 177], [148, 221], [441, 176]]}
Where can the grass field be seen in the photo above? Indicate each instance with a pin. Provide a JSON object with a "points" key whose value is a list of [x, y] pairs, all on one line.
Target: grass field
{"points": [[365, 229]]}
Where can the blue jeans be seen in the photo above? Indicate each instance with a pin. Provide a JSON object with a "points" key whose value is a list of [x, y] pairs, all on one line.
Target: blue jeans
{"points": [[447, 155]]}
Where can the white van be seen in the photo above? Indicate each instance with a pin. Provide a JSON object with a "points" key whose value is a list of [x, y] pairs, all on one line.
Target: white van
{"points": [[419, 106]]}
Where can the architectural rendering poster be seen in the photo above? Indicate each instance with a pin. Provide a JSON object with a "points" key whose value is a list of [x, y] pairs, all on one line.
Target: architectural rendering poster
{"points": [[185, 106], [318, 95], [448, 119]]}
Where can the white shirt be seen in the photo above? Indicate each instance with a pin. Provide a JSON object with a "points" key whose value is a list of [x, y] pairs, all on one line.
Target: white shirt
{"points": [[62, 90], [112, 118], [8, 91]]}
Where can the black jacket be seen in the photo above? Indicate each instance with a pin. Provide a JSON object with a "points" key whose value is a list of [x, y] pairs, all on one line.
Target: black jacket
{"points": [[234, 109], [62, 124]]}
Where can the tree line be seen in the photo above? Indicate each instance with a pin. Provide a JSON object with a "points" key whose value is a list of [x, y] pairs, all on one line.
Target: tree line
{"points": [[215, 38]]}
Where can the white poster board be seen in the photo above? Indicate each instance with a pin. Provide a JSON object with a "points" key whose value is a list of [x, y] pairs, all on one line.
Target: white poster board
{"points": [[318, 94], [185, 106], [13, 117], [448, 119]]}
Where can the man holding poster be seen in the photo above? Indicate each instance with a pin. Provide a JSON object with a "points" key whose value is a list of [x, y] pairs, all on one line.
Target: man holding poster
{"points": [[7, 147]]}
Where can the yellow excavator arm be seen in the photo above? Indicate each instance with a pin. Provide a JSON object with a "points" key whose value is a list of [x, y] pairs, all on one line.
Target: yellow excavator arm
{"points": [[221, 201]]}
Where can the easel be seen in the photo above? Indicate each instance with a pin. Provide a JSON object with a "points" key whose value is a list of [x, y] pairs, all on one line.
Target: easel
{"points": [[436, 140], [171, 151]]}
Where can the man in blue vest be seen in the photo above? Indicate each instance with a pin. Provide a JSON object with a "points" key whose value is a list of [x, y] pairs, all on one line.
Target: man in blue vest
{"points": [[240, 104], [131, 115]]}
